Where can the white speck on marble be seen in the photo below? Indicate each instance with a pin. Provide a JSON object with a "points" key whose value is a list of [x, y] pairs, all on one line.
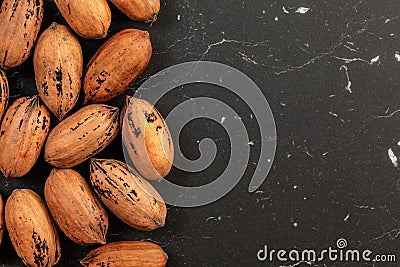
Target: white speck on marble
{"points": [[210, 218], [387, 116], [285, 10], [397, 56], [251, 143], [219, 218], [223, 120], [237, 42], [336, 115], [248, 59], [350, 60], [179, 17], [276, 18], [302, 10], [350, 46], [308, 62], [309, 154], [295, 187], [364, 207], [295, 225], [393, 158], [375, 59], [346, 71], [347, 217]]}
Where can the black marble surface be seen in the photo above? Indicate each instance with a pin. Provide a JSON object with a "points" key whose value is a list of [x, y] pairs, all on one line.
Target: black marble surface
{"points": [[331, 76]]}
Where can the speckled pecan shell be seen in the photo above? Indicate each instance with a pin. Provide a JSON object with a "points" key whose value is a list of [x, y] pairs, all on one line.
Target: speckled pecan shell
{"points": [[1, 219], [4, 93], [82, 135], [75, 208], [131, 198], [147, 139], [20, 22], [139, 10], [88, 18], [116, 65], [58, 64], [22, 135], [127, 254], [31, 229]]}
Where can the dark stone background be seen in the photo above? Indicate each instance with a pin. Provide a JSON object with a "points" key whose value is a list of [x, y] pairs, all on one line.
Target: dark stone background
{"points": [[332, 177]]}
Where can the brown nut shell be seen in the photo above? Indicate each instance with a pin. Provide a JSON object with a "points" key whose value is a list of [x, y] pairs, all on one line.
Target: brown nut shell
{"points": [[58, 64], [82, 135], [75, 208], [31, 229], [116, 65], [130, 197], [23, 132], [147, 139], [88, 18], [139, 10], [1, 219], [19, 27], [4, 93], [127, 254]]}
